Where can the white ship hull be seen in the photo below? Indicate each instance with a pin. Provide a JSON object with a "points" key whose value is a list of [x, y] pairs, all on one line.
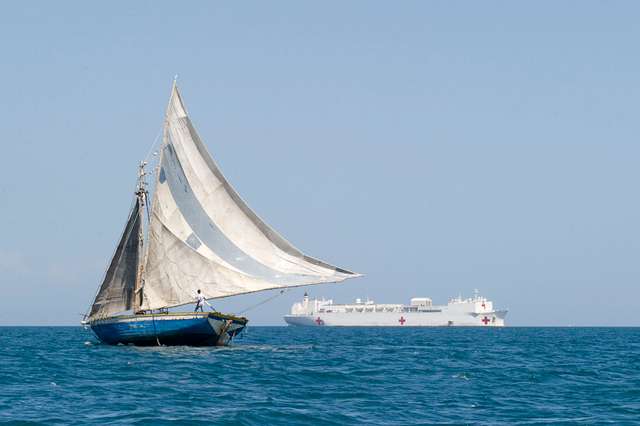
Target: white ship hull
{"points": [[489, 319], [474, 312]]}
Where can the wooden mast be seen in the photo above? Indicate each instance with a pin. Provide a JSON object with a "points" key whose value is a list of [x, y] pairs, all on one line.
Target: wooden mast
{"points": [[141, 193]]}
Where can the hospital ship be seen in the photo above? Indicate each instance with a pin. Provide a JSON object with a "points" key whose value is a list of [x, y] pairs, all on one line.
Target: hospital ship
{"points": [[475, 311]]}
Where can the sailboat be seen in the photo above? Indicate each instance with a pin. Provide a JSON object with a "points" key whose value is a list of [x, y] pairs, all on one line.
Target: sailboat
{"points": [[196, 236]]}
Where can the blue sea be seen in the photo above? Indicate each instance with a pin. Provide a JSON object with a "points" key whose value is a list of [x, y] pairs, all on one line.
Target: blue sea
{"points": [[326, 376]]}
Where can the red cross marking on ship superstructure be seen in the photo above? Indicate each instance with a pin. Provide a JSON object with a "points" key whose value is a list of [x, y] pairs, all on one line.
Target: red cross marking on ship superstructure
{"points": [[319, 321], [485, 320], [402, 320], [483, 305]]}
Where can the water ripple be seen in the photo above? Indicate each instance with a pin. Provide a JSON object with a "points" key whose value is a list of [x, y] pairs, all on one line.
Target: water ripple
{"points": [[326, 376]]}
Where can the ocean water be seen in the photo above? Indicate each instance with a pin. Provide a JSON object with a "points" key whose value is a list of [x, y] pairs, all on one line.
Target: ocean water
{"points": [[339, 376]]}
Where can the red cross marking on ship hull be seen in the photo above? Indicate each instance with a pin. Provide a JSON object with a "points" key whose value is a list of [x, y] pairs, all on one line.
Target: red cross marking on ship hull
{"points": [[319, 321], [485, 320], [402, 320]]}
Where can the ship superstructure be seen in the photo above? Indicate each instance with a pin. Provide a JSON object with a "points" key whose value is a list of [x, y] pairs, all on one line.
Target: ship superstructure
{"points": [[475, 311]]}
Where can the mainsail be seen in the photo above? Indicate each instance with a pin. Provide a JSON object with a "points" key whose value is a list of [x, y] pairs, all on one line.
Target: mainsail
{"points": [[117, 289], [202, 235]]}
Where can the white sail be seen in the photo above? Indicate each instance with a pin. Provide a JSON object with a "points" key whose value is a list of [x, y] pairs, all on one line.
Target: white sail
{"points": [[116, 292], [203, 236]]}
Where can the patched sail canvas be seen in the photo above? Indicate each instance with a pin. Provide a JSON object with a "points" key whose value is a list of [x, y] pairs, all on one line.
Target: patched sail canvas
{"points": [[116, 292], [203, 236]]}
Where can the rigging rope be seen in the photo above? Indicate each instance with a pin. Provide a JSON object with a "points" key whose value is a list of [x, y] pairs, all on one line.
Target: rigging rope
{"points": [[280, 293], [155, 331], [153, 145]]}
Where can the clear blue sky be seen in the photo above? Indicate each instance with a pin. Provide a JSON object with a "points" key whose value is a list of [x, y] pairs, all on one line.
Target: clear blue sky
{"points": [[436, 147]]}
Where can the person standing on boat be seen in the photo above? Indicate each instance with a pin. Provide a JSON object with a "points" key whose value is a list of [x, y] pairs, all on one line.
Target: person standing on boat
{"points": [[200, 301]]}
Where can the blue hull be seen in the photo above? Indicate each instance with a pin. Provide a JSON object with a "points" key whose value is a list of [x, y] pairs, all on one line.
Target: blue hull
{"points": [[189, 328]]}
